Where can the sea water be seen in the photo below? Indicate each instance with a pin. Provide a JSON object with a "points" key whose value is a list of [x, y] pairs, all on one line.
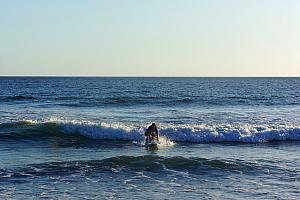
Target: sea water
{"points": [[82, 138]]}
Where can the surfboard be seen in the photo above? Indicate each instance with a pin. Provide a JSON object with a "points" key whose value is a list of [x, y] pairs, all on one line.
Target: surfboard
{"points": [[151, 145]]}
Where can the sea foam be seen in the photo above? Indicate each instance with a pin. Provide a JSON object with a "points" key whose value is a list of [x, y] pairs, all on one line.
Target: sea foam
{"points": [[169, 133], [185, 133]]}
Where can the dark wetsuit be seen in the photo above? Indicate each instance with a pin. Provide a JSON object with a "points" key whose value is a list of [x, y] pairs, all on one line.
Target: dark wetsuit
{"points": [[151, 133]]}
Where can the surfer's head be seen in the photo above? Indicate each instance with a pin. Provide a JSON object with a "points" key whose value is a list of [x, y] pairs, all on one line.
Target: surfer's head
{"points": [[153, 124]]}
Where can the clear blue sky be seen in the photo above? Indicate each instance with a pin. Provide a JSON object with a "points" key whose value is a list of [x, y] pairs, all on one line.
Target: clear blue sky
{"points": [[150, 37]]}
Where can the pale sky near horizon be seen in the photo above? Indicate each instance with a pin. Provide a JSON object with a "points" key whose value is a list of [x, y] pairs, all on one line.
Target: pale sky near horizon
{"points": [[150, 37]]}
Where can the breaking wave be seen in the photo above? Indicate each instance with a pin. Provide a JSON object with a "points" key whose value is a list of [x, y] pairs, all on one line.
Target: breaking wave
{"points": [[176, 133]]}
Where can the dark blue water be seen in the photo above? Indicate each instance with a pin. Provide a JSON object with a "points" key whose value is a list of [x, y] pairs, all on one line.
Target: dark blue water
{"points": [[221, 138]]}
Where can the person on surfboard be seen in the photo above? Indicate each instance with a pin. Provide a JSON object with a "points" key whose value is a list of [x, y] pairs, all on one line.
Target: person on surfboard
{"points": [[151, 133]]}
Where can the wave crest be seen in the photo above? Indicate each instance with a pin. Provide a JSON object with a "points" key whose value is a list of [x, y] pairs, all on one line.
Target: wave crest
{"points": [[176, 133], [187, 133], [117, 164]]}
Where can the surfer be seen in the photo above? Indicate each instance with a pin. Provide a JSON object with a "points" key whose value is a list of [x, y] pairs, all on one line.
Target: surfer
{"points": [[151, 133]]}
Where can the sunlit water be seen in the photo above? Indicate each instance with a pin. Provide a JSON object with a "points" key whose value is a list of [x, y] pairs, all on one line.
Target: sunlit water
{"points": [[222, 138]]}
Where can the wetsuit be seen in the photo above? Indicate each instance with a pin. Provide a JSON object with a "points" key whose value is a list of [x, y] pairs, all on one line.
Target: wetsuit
{"points": [[151, 133]]}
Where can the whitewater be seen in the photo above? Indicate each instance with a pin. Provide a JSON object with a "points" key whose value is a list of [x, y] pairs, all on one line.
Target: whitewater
{"points": [[172, 133]]}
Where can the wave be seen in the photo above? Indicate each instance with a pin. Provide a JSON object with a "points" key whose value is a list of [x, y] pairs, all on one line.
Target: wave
{"points": [[176, 133], [30, 130], [232, 133], [80, 101], [155, 164], [162, 101], [16, 98], [122, 101]]}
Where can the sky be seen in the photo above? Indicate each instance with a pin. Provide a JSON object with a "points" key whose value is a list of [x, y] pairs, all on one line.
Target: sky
{"points": [[150, 37]]}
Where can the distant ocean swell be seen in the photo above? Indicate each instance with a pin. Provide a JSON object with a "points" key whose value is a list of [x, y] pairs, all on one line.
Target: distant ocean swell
{"points": [[175, 133], [79, 101], [16, 98]]}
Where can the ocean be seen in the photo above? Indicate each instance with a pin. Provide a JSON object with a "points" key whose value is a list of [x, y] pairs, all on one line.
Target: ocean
{"points": [[83, 138]]}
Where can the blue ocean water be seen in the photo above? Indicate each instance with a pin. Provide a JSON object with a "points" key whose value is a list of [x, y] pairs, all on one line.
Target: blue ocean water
{"points": [[222, 138]]}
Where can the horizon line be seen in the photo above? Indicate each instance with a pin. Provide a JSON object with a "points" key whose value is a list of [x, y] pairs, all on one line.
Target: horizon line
{"points": [[151, 76]]}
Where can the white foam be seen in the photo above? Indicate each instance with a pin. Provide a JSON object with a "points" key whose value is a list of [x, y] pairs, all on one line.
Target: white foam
{"points": [[229, 133], [184, 133], [102, 130], [30, 121], [163, 142]]}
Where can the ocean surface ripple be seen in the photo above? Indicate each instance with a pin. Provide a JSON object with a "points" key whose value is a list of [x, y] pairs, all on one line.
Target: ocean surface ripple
{"points": [[83, 138]]}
